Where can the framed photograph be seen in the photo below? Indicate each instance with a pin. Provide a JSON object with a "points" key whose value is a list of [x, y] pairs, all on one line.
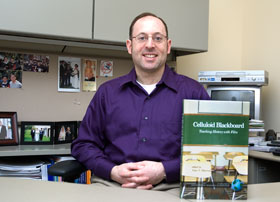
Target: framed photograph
{"points": [[8, 128], [35, 133], [65, 132]]}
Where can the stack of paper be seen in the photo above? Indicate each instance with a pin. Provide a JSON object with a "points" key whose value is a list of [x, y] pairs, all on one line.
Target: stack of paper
{"points": [[255, 127], [21, 168]]}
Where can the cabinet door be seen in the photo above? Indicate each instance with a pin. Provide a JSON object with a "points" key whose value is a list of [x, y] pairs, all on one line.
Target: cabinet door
{"points": [[187, 20], [66, 18]]}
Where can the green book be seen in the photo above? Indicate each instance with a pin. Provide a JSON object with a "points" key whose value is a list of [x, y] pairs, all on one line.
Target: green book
{"points": [[214, 158]]}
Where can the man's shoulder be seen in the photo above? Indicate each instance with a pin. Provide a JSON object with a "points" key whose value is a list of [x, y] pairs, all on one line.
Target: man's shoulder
{"points": [[114, 83], [189, 87]]}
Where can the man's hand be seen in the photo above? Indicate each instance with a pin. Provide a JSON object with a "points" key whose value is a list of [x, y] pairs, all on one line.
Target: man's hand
{"points": [[125, 173], [141, 175]]}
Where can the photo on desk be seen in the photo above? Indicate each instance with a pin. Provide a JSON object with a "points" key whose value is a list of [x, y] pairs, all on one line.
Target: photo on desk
{"points": [[8, 128], [65, 132], [36, 133]]}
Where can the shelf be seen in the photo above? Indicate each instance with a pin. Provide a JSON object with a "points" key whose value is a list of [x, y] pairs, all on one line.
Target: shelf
{"points": [[35, 150]]}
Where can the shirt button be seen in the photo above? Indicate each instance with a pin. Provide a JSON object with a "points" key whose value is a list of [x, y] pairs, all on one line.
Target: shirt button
{"points": [[144, 139], [146, 118]]}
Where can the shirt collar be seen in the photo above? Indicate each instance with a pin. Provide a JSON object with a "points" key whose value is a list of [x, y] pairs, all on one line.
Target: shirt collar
{"points": [[167, 79]]}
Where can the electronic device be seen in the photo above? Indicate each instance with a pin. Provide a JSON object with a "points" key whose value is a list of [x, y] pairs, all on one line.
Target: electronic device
{"points": [[239, 93], [236, 86], [246, 77], [275, 151]]}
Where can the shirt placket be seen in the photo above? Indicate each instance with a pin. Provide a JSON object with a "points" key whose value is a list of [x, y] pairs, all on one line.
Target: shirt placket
{"points": [[145, 124]]}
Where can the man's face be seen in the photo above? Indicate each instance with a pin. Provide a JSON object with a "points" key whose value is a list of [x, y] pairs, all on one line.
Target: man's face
{"points": [[149, 55], [13, 77]]}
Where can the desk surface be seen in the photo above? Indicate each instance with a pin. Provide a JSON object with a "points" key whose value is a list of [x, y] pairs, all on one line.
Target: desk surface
{"points": [[19, 190], [231, 155], [264, 155]]}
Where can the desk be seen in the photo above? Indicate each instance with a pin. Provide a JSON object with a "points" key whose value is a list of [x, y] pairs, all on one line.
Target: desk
{"points": [[229, 156], [208, 157], [19, 190], [241, 167], [263, 167], [264, 155]]}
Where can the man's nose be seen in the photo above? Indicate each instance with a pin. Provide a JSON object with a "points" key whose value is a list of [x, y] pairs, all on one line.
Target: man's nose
{"points": [[150, 42]]}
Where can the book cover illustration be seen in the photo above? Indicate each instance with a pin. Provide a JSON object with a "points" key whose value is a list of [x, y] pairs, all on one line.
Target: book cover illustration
{"points": [[214, 160]]}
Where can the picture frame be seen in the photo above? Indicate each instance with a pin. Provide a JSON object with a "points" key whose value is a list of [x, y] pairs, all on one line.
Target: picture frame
{"points": [[36, 133], [65, 132], [9, 129]]}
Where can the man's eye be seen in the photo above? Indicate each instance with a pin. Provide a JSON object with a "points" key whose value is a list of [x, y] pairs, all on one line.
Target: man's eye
{"points": [[141, 38], [158, 38]]}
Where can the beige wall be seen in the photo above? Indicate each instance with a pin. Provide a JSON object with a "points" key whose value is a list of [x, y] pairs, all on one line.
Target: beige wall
{"points": [[39, 99], [243, 35]]}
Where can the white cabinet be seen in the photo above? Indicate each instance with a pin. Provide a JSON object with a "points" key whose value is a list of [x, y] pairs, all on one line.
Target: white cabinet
{"points": [[187, 20], [65, 18], [69, 25]]}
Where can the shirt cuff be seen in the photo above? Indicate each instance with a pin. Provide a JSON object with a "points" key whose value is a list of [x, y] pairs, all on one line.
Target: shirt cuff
{"points": [[172, 170], [103, 169]]}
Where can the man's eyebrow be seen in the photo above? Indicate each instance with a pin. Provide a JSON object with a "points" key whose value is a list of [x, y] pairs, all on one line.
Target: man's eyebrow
{"points": [[148, 34]]}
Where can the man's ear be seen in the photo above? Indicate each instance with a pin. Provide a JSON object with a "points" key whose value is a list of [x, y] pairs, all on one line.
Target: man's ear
{"points": [[168, 46], [128, 46]]}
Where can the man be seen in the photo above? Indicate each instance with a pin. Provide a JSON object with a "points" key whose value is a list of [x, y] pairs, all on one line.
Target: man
{"points": [[14, 83], [62, 71], [41, 134], [131, 132], [32, 133], [3, 131]]}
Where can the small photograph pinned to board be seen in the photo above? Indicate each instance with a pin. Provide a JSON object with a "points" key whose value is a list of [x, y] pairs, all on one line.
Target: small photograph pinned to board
{"points": [[69, 74], [10, 79], [106, 68], [89, 74], [35, 63]]}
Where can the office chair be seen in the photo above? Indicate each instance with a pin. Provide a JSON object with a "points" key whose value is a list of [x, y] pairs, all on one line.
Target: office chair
{"points": [[69, 170]]}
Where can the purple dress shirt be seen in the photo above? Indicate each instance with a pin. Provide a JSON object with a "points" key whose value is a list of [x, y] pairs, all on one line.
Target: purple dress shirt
{"points": [[125, 124]]}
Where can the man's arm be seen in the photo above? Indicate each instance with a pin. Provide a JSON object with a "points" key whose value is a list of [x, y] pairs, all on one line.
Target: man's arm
{"points": [[89, 145]]}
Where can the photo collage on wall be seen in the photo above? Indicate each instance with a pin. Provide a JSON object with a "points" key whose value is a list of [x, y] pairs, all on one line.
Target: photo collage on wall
{"points": [[12, 65], [74, 71]]}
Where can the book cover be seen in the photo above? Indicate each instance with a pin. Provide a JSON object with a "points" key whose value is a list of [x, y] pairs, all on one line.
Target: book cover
{"points": [[214, 158]]}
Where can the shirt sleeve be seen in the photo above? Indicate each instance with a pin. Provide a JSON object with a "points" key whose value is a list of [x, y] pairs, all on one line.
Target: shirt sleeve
{"points": [[172, 170], [89, 145]]}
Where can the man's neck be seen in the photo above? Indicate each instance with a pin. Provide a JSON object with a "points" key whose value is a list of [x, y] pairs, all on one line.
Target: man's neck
{"points": [[149, 77]]}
